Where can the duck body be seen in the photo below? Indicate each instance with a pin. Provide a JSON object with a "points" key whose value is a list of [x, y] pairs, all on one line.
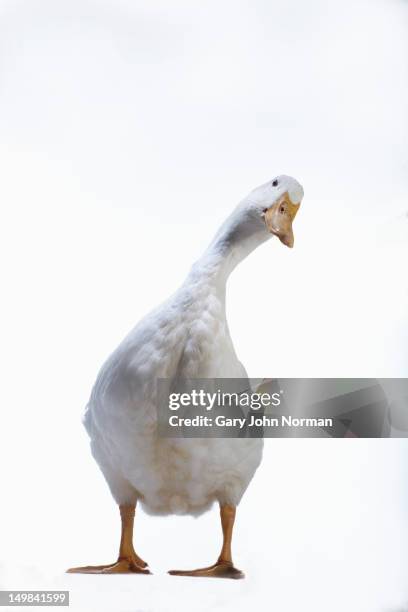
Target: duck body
{"points": [[186, 337]]}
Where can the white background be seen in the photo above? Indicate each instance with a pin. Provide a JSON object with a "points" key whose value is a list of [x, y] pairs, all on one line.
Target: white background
{"points": [[128, 131]]}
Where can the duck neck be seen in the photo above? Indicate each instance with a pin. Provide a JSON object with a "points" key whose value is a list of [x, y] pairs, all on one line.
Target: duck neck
{"points": [[239, 235]]}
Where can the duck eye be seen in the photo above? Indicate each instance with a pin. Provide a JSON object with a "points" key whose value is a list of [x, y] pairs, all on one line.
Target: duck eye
{"points": [[275, 183], [282, 209]]}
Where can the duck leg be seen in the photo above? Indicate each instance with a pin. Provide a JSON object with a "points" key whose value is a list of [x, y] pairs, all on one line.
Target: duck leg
{"points": [[223, 568], [128, 561]]}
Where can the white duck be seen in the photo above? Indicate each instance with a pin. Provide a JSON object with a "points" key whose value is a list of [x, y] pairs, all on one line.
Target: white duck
{"points": [[186, 337]]}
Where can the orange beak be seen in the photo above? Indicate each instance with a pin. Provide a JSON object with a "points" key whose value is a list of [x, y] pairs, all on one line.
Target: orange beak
{"points": [[279, 217]]}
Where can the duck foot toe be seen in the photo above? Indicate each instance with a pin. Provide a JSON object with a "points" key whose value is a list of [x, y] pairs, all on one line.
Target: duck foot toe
{"points": [[122, 566], [221, 569]]}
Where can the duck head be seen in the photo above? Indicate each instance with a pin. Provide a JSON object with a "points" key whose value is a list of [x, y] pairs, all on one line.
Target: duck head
{"points": [[277, 203]]}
